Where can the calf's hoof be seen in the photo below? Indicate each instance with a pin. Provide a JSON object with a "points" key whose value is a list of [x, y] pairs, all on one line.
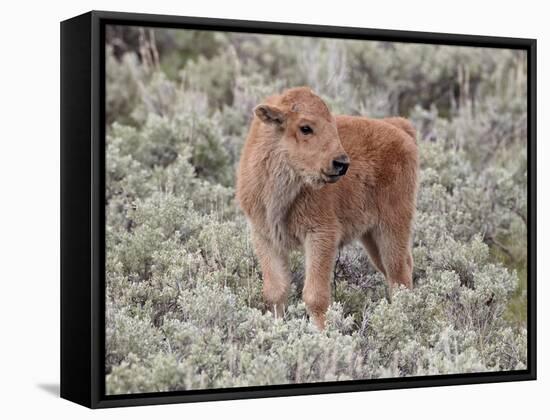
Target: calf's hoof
{"points": [[319, 320]]}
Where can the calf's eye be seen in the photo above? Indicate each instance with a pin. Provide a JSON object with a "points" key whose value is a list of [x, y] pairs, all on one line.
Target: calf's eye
{"points": [[306, 129]]}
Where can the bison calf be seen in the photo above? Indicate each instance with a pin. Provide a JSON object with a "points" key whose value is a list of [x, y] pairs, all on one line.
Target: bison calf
{"points": [[312, 180]]}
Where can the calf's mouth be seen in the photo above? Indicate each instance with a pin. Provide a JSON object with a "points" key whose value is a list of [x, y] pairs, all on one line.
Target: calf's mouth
{"points": [[330, 178]]}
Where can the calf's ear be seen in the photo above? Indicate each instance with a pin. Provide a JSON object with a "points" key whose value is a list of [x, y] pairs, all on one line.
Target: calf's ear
{"points": [[270, 114]]}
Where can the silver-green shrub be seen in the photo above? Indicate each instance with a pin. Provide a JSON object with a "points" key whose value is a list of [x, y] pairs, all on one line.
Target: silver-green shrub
{"points": [[183, 287]]}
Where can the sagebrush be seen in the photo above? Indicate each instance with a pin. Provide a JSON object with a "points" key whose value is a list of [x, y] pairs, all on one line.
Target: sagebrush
{"points": [[183, 287]]}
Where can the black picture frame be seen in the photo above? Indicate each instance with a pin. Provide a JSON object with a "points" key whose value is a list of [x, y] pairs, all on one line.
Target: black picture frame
{"points": [[83, 218]]}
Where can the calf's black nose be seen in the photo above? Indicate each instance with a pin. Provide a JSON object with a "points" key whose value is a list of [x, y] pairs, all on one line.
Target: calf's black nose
{"points": [[341, 164]]}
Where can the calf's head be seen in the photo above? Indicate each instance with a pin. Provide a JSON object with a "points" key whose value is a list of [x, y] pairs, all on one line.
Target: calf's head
{"points": [[306, 132]]}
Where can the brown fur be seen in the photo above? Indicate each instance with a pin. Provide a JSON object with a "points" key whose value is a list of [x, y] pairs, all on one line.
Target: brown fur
{"points": [[291, 202]]}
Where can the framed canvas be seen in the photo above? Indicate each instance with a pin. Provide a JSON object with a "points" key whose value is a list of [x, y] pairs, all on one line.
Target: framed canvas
{"points": [[257, 209]]}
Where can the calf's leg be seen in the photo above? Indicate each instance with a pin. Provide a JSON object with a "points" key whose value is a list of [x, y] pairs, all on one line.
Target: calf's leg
{"points": [[275, 272], [369, 241], [395, 252], [320, 252]]}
